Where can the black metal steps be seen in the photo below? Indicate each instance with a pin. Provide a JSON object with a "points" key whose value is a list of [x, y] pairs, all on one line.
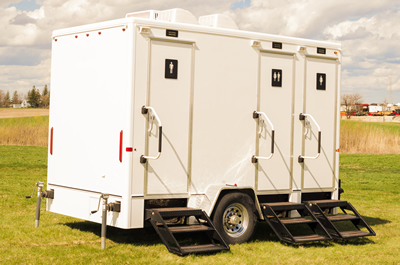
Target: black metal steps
{"points": [[323, 209], [168, 233], [308, 226]]}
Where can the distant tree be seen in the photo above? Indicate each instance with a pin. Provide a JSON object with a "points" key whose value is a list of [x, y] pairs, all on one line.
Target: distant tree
{"points": [[34, 97], [351, 102], [45, 98], [1, 98], [7, 100], [16, 98], [45, 91]]}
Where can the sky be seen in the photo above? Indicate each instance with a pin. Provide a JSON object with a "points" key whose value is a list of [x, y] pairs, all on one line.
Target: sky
{"points": [[368, 31]]}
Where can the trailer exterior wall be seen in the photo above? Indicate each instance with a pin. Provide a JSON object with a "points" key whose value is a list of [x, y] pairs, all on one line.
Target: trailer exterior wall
{"points": [[90, 65], [210, 134]]}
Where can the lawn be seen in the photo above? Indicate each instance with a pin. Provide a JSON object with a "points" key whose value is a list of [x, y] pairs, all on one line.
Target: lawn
{"points": [[371, 184]]}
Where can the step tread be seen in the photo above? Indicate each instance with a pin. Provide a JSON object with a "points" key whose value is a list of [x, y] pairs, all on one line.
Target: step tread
{"points": [[189, 228], [328, 203], [309, 238], [173, 209], [203, 248], [284, 206], [356, 233], [341, 217], [297, 220], [176, 211]]}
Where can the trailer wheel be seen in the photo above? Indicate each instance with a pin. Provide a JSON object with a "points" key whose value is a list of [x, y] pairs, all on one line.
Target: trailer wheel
{"points": [[235, 218]]}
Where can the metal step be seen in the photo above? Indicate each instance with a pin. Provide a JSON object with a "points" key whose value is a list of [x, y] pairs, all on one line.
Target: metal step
{"points": [[307, 238], [189, 228], [342, 217], [284, 206], [167, 233], [328, 221], [202, 249], [299, 220], [352, 234], [280, 225]]}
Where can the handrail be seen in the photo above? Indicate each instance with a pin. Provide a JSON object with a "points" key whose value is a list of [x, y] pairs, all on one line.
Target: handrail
{"points": [[256, 115], [143, 158], [303, 117]]}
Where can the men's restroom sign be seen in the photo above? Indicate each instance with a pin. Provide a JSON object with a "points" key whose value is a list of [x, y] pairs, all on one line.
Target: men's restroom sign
{"points": [[321, 81], [276, 78], [171, 69]]}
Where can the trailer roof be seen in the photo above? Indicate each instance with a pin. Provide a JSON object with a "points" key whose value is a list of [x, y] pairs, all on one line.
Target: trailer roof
{"points": [[194, 28]]}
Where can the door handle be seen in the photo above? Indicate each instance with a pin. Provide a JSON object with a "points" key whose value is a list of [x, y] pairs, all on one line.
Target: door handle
{"points": [[145, 110], [258, 115], [303, 117]]}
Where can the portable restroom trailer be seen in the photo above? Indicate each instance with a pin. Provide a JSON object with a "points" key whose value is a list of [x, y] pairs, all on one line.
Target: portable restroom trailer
{"points": [[161, 116]]}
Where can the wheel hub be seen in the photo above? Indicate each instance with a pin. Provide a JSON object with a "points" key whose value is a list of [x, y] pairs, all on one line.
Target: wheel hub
{"points": [[235, 220]]}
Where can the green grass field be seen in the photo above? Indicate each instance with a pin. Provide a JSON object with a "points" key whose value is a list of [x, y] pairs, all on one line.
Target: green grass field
{"points": [[371, 184]]}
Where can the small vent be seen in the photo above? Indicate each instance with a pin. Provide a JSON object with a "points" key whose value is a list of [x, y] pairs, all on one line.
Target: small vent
{"points": [[218, 21], [149, 14]]}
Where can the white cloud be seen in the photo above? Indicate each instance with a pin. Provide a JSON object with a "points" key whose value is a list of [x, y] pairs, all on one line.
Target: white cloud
{"points": [[366, 29]]}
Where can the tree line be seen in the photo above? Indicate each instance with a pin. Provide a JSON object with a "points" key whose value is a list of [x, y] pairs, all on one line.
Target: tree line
{"points": [[33, 97]]}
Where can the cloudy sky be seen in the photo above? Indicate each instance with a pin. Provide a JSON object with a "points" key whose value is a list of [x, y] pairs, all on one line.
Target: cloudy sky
{"points": [[368, 31]]}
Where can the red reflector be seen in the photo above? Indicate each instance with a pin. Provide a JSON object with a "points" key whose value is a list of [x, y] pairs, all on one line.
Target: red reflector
{"points": [[99, 33], [55, 39], [129, 149], [76, 36], [51, 141], [87, 35], [120, 147]]}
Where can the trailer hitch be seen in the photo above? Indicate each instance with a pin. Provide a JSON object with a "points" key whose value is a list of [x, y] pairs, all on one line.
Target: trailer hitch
{"points": [[40, 194]]}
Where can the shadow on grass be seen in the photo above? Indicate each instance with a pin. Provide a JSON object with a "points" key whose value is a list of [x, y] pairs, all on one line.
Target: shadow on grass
{"points": [[140, 237], [265, 233], [147, 236]]}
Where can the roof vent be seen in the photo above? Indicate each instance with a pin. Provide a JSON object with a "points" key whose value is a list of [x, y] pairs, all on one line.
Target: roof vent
{"points": [[149, 14], [171, 15], [218, 21], [177, 15]]}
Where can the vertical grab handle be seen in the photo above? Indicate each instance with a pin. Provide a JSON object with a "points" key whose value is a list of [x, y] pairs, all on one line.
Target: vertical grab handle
{"points": [[256, 115], [303, 117], [143, 158]]}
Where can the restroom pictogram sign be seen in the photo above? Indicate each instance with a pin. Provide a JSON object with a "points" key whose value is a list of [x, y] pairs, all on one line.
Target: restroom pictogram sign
{"points": [[171, 69], [277, 77], [321, 81]]}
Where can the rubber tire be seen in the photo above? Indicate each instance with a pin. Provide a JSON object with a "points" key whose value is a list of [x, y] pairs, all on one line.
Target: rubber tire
{"points": [[235, 198]]}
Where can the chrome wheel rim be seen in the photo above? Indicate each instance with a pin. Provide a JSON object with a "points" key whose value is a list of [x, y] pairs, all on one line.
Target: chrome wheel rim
{"points": [[235, 220]]}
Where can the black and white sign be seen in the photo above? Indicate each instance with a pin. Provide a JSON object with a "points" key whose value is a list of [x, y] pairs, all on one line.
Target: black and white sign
{"points": [[276, 77], [321, 81], [171, 69]]}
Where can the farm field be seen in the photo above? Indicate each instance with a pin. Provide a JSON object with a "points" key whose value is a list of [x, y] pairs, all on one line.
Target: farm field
{"points": [[356, 137], [14, 113], [370, 183]]}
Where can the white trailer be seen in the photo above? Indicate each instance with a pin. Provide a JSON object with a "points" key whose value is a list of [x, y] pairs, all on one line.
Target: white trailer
{"points": [[195, 116]]}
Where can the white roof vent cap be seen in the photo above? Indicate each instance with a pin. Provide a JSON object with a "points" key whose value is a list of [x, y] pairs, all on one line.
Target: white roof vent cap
{"points": [[218, 21], [171, 15], [177, 15], [149, 14]]}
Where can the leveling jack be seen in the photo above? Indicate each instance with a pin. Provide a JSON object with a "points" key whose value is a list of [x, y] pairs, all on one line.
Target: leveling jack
{"points": [[114, 207], [40, 194]]}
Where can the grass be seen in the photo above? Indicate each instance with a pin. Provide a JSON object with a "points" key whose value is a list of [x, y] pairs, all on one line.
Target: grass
{"points": [[370, 183], [359, 137], [24, 131]]}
